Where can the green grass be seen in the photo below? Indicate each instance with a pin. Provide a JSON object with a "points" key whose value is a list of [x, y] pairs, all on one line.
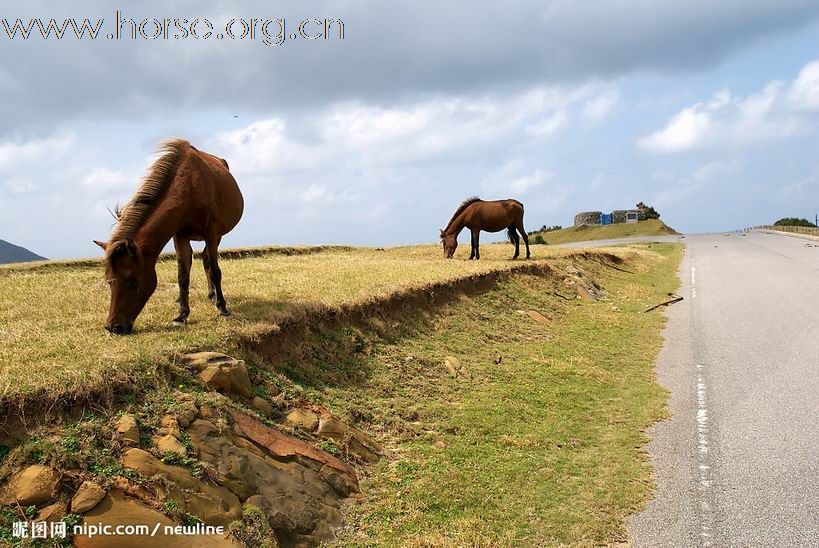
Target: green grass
{"points": [[53, 346], [543, 449], [653, 227]]}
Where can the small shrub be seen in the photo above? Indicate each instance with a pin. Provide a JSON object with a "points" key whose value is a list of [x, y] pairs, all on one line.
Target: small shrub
{"points": [[254, 529], [646, 212], [794, 221]]}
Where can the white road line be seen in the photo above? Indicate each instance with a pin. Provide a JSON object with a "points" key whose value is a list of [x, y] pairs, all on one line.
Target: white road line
{"points": [[704, 469], [693, 282]]}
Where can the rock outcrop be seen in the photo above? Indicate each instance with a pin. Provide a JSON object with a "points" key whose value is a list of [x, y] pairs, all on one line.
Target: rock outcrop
{"points": [[87, 497], [128, 429], [213, 504], [221, 373], [35, 484]]}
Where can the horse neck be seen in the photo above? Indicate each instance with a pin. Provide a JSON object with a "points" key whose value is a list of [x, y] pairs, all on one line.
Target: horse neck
{"points": [[157, 230], [457, 225]]}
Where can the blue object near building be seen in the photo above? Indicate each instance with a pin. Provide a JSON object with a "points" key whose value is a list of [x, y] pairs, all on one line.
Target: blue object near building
{"points": [[605, 218]]}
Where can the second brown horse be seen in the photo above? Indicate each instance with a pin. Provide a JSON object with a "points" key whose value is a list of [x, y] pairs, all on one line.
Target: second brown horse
{"points": [[186, 195], [476, 215]]}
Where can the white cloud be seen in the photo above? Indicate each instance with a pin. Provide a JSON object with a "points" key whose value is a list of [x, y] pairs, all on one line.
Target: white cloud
{"points": [[103, 178], [264, 147], [366, 135], [726, 121], [522, 184], [514, 177], [549, 125], [685, 130], [13, 154], [601, 106], [805, 90], [19, 185]]}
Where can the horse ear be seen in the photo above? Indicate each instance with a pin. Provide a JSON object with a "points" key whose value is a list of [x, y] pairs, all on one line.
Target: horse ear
{"points": [[131, 247], [103, 245], [442, 233]]}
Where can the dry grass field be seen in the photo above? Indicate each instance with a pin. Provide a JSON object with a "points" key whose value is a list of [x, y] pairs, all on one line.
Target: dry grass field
{"points": [[52, 340]]}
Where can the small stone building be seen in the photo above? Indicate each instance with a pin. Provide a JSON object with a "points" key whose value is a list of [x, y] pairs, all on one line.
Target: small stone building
{"points": [[588, 218], [618, 216]]}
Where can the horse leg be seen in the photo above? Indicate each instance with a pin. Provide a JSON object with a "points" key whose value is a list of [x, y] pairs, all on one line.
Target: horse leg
{"points": [[477, 235], [474, 243], [184, 257], [206, 264], [515, 240], [525, 237], [212, 248]]}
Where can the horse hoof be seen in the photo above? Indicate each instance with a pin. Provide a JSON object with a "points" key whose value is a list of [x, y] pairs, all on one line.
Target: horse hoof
{"points": [[225, 312], [180, 322]]}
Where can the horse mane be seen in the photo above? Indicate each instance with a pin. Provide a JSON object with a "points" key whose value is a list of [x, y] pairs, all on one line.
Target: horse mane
{"points": [[465, 204], [156, 181]]}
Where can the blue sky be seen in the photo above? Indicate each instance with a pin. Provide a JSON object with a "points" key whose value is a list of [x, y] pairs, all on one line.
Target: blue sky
{"points": [[708, 113]]}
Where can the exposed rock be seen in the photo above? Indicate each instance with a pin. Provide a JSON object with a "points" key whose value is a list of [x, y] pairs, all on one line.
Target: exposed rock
{"points": [[455, 368], [303, 509], [272, 389], [283, 446], [303, 419], [169, 444], [117, 509], [584, 286], [331, 426], [221, 372], [87, 496], [344, 484], [363, 447], [357, 442], [212, 504], [53, 512], [262, 406], [33, 485], [452, 365], [538, 317], [169, 426], [187, 412], [128, 429], [145, 493]]}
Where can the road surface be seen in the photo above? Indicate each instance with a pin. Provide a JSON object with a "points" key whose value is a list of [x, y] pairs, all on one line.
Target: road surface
{"points": [[738, 464], [621, 241]]}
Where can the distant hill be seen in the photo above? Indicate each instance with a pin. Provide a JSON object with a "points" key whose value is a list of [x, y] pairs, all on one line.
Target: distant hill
{"points": [[651, 227], [10, 253]]}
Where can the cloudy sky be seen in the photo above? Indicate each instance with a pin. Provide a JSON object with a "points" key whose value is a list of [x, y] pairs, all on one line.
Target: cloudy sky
{"points": [[707, 110]]}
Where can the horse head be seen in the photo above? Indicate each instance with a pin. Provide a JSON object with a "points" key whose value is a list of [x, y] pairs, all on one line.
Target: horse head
{"points": [[450, 243], [132, 280]]}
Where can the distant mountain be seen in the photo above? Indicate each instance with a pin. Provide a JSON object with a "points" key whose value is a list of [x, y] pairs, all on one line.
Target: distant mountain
{"points": [[10, 253]]}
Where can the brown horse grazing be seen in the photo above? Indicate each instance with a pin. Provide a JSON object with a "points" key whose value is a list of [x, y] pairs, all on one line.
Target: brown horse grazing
{"points": [[186, 195], [476, 215]]}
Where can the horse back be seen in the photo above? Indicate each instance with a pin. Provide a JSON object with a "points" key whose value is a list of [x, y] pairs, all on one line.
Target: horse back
{"points": [[205, 183]]}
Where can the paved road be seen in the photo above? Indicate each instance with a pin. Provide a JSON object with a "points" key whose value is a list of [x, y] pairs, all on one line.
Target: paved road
{"points": [[738, 464], [621, 241]]}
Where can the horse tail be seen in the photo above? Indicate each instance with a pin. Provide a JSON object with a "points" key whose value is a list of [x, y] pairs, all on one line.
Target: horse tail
{"points": [[511, 234]]}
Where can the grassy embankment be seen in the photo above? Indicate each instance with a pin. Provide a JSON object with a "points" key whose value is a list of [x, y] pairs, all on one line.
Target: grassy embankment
{"points": [[544, 447], [653, 227]]}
